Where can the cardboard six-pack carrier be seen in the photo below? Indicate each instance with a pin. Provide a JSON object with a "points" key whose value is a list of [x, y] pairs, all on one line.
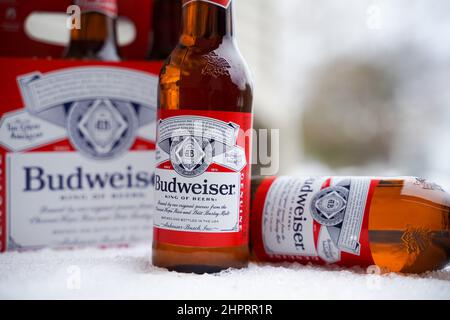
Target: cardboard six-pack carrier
{"points": [[77, 139]]}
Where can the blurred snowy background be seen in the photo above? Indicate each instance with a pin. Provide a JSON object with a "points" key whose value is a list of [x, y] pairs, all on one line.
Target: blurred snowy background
{"points": [[355, 86]]}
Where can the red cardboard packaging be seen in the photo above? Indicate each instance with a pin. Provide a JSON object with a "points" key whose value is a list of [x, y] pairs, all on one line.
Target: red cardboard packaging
{"points": [[77, 143], [18, 38]]}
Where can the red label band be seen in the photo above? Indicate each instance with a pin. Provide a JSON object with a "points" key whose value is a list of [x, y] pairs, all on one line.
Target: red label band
{"points": [[202, 178], [324, 220], [222, 3], [106, 7]]}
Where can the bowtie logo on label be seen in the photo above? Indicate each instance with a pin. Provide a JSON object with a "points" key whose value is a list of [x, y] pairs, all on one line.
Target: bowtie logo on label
{"points": [[222, 3]]}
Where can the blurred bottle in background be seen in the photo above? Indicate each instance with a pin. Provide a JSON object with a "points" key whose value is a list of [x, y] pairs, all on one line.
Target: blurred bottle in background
{"points": [[397, 224], [97, 37], [166, 28]]}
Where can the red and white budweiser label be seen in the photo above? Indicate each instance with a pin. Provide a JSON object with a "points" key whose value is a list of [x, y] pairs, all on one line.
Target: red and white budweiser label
{"points": [[222, 3], [202, 178], [77, 149], [107, 7], [321, 220]]}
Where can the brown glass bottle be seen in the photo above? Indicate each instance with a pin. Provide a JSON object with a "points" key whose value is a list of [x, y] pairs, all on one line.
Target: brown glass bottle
{"points": [[406, 228], [97, 37], [166, 28], [206, 76]]}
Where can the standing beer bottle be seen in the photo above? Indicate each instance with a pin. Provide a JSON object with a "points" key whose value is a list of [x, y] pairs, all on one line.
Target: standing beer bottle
{"points": [[97, 37], [202, 179], [397, 224], [166, 28]]}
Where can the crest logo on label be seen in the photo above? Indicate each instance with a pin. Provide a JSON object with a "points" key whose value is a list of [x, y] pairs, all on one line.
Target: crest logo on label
{"points": [[193, 144], [94, 107], [328, 206], [100, 129], [190, 156]]}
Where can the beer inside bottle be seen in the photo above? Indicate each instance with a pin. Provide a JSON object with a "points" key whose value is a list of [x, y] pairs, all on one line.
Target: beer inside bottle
{"points": [[202, 178], [397, 224], [166, 28], [96, 39]]}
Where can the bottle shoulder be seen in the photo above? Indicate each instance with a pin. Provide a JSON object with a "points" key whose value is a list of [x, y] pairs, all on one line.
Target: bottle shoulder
{"points": [[207, 66], [425, 190], [207, 79]]}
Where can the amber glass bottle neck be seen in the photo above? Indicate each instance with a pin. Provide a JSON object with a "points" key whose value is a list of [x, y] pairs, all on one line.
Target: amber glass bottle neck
{"points": [[95, 27], [203, 21]]}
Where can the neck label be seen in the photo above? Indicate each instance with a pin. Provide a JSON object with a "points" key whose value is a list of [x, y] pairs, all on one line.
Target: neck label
{"points": [[221, 3], [106, 7]]}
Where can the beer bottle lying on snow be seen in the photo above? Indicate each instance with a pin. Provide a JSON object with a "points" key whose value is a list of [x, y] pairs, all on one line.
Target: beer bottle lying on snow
{"points": [[96, 39], [202, 177], [397, 224]]}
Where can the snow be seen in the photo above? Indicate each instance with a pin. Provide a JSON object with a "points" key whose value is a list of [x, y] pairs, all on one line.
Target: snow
{"points": [[127, 273]]}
